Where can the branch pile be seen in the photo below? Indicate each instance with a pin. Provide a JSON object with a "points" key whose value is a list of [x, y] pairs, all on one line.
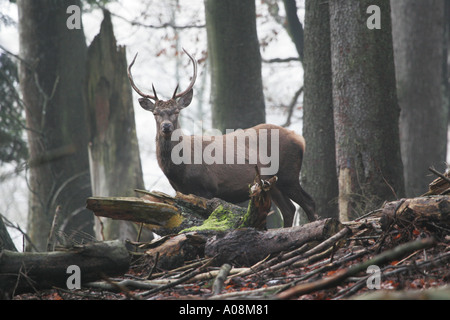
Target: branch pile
{"points": [[403, 249]]}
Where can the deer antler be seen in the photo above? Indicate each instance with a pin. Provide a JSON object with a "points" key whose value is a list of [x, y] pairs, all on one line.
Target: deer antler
{"points": [[130, 77], [175, 94], [194, 77]]}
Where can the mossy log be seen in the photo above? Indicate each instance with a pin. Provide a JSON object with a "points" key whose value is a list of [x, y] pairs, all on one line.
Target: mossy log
{"points": [[185, 213], [168, 215]]}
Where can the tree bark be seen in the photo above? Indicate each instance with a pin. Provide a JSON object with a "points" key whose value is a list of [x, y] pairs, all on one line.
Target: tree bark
{"points": [[115, 164], [366, 111], [248, 246], [421, 211], [233, 51], [418, 33], [52, 71], [319, 164]]}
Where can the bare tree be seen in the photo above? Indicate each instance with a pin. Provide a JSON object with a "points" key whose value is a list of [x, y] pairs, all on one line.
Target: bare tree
{"points": [[418, 32], [115, 165], [52, 72], [233, 50], [319, 173], [366, 111]]}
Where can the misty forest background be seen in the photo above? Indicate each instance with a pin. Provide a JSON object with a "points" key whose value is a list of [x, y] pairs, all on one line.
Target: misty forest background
{"points": [[372, 104]]}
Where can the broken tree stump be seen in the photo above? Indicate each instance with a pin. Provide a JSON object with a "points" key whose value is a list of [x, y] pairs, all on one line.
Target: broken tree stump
{"points": [[22, 272], [260, 202]]}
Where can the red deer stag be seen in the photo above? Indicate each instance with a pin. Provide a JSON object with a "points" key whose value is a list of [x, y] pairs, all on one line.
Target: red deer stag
{"points": [[226, 169]]}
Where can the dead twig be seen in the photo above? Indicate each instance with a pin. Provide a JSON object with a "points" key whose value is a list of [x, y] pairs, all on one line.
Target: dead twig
{"points": [[314, 251], [220, 279], [176, 282], [339, 276]]}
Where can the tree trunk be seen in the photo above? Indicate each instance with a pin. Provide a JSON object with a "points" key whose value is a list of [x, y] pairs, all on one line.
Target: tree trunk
{"points": [[418, 33], [233, 50], [366, 111], [319, 164], [52, 72], [113, 149], [294, 27]]}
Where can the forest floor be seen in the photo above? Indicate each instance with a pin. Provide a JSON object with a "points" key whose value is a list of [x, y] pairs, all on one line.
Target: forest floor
{"points": [[403, 262]]}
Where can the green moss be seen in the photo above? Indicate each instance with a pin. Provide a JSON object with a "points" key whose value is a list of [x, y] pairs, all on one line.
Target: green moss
{"points": [[246, 218], [221, 219]]}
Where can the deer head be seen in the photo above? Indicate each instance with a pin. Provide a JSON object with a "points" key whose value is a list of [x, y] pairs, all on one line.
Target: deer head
{"points": [[165, 111]]}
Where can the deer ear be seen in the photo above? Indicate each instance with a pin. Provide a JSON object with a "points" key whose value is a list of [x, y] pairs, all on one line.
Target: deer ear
{"points": [[147, 104], [185, 100]]}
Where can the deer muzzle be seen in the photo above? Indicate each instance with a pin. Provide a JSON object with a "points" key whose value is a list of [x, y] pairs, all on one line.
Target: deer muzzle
{"points": [[167, 127]]}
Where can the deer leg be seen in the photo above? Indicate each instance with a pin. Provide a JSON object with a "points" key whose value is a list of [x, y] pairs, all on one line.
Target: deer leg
{"points": [[285, 205], [303, 199]]}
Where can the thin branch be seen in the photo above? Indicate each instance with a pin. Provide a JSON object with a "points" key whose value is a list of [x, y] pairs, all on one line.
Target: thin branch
{"points": [[152, 26], [396, 253], [178, 281], [17, 227], [439, 174], [292, 106], [281, 60], [15, 56]]}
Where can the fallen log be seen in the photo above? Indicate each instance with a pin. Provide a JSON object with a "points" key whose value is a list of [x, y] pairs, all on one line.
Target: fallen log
{"points": [[243, 247], [247, 246], [420, 210], [185, 213], [30, 271], [165, 215], [161, 217]]}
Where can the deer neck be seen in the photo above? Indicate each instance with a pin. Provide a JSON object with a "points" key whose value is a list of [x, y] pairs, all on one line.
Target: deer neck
{"points": [[164, 147]]}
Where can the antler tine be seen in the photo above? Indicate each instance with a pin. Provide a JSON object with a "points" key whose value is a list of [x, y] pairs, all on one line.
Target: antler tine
{"points": [[130, 77], [194, 77], [175, 92], [154, 92]]}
